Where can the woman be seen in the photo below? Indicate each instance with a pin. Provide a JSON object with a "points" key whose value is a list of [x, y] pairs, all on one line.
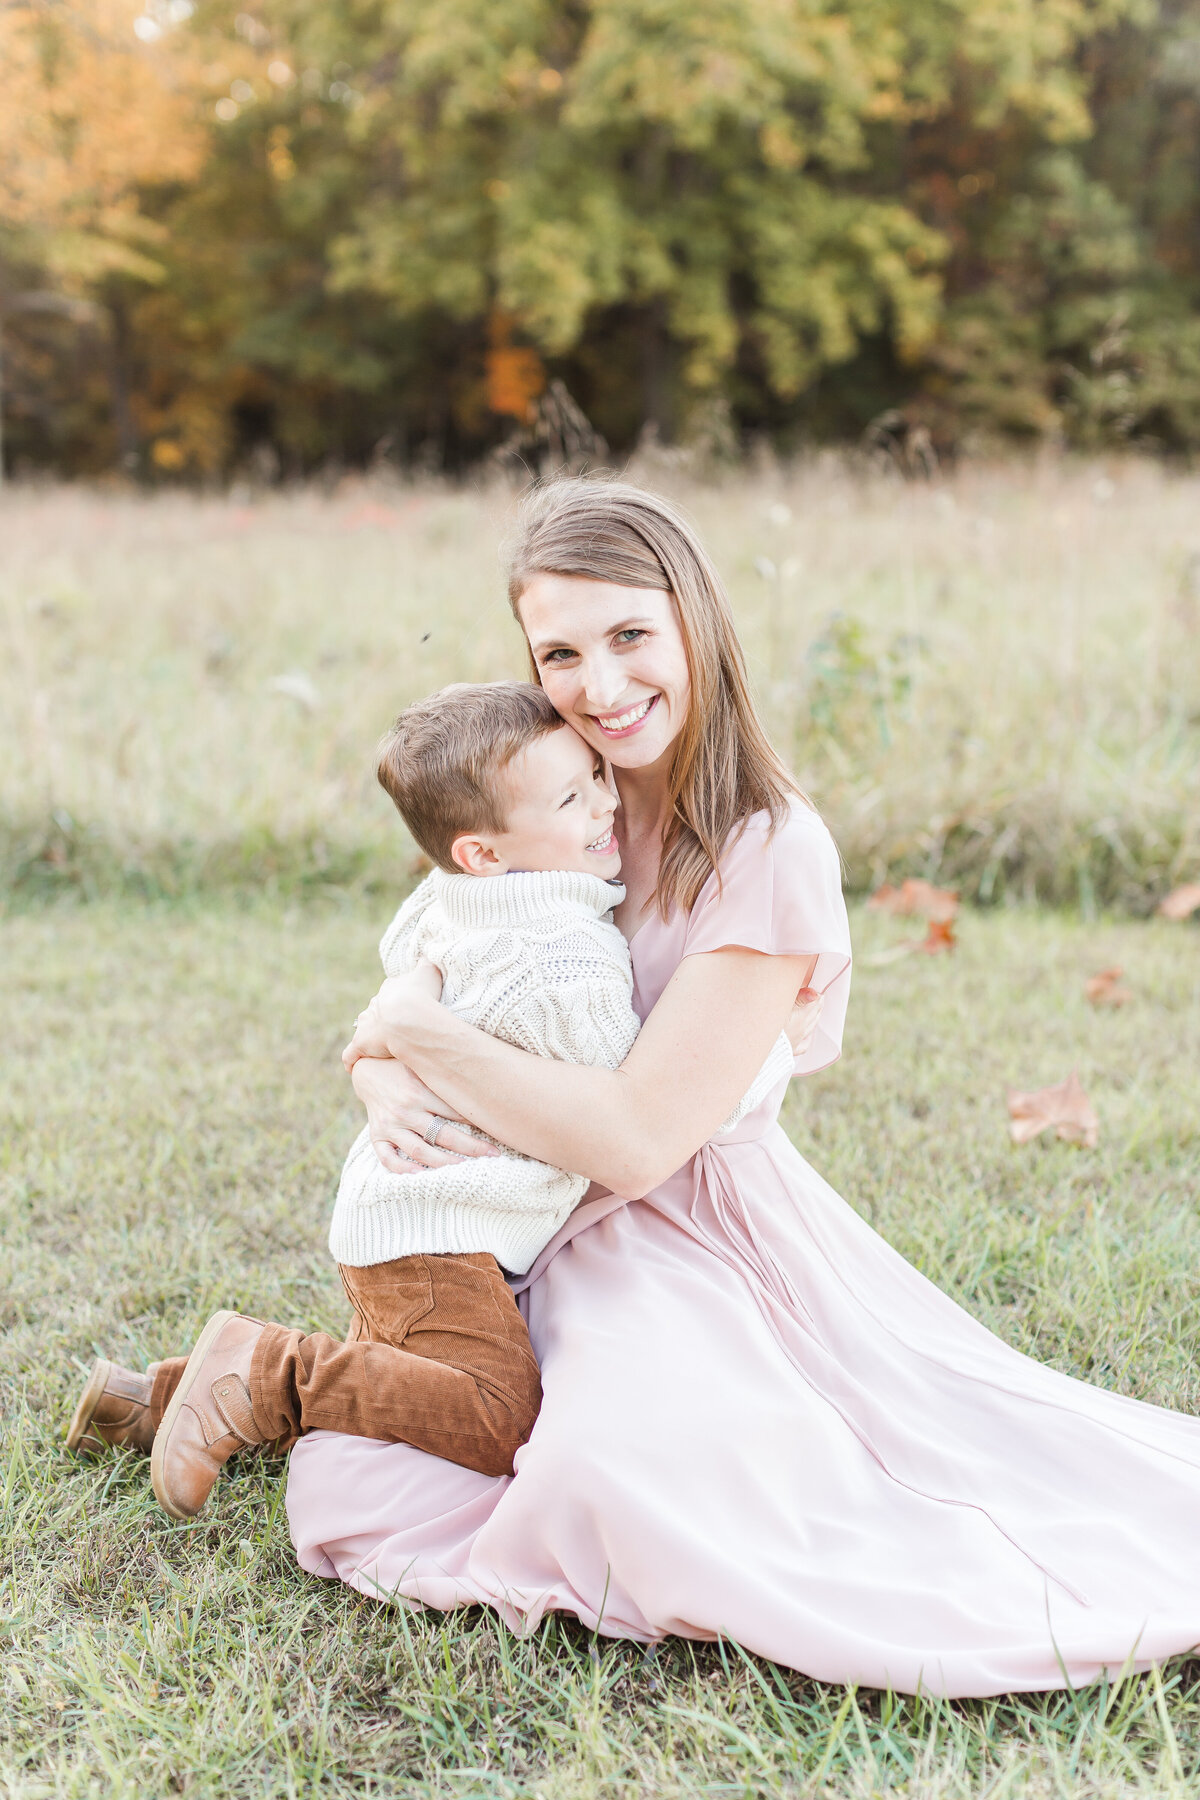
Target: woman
{"points": [[758, 1420]]}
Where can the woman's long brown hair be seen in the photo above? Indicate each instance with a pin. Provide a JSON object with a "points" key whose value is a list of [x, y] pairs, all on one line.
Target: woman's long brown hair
{"points": [[724, 768]]}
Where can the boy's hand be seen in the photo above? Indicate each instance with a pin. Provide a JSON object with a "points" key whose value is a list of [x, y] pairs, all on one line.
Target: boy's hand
{"points": [[369, 1038], [389, 1008]]}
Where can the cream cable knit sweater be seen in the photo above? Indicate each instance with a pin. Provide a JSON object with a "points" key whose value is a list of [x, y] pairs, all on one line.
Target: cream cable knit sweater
{"points": [[534, 959]]}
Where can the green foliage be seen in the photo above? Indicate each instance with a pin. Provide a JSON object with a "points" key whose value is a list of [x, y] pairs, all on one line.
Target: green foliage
{"points": [[799, 211], [656, 162], [1075, 332], [847, 678]]}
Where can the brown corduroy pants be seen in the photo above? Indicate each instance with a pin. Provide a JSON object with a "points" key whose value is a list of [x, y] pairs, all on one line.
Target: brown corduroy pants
{"points": [[437, 1355]]}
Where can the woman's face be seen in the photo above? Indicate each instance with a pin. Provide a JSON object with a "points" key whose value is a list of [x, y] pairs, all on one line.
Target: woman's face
{"points": [[613, 661]]}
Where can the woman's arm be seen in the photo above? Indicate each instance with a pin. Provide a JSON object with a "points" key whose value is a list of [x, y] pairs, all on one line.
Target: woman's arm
{"points": [[630, 1127]]}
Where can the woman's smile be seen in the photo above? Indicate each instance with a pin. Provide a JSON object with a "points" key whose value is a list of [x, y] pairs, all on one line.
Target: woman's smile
{"points": [[624, 724]]}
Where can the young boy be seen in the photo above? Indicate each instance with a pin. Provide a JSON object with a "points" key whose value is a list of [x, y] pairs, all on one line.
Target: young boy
{"points": [[512, 808]]}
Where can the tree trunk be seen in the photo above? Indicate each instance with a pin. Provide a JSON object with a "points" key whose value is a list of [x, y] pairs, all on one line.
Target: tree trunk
{"points": [[1, 399], [118, 388], [656, 359]]}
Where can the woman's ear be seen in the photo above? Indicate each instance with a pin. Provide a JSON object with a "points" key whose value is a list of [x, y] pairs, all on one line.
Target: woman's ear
{"points": [[475, 856]]}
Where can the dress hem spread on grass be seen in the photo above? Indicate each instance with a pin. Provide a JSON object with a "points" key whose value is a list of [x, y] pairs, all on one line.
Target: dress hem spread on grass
{"points": [[760, 1422]]}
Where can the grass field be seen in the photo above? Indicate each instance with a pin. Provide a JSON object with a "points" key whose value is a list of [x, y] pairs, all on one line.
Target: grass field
{"points": [[992, 680], [171, 1123]]}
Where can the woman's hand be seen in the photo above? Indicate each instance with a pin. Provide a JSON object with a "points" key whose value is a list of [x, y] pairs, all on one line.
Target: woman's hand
{"points": [[383, 1020], [400, 1110], [803, 1020]]}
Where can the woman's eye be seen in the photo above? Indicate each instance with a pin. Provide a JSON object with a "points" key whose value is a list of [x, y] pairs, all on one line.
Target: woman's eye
{"points": [[556, 656], [631, 635]]}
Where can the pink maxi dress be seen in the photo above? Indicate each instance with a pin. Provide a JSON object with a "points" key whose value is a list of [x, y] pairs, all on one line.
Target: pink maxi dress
{"points": [[760, 1422]]}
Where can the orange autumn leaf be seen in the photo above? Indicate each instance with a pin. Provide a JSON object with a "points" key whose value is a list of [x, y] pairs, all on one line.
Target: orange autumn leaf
{"points": [[916, 896], [939, 938], [1065, 1109], [1105, 989], [1181, 902]]}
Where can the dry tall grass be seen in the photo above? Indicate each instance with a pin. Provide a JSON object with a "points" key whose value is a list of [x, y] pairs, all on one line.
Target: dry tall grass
{"points": [[993, 680]]}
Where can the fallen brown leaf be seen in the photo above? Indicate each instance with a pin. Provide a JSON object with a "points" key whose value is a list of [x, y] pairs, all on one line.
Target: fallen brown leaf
{"points": [[1066, 1109], [1181, 902], [1105, 989], [916, 896], [938, 938]]}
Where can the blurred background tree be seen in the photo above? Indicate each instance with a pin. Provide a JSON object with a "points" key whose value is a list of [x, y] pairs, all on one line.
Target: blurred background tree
{"points": [[95, 122], [328, 231]]}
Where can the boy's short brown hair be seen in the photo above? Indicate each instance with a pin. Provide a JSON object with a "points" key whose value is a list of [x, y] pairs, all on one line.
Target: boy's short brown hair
{"points": [[443, 761]]}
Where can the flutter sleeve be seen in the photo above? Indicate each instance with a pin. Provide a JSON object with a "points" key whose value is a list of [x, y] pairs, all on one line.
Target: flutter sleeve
{"points": [[781, 894]]}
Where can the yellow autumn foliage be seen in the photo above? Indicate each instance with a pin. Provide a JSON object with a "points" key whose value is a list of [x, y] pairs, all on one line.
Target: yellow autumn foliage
{"points": [[93, 113]]}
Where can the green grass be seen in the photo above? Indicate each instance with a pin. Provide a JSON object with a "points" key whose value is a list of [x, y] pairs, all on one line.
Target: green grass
{"points": [[993, 680], [171, 1122]]}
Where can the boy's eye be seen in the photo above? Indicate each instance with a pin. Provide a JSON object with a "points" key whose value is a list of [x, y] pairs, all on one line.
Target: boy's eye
{"points": [[568, 801]]}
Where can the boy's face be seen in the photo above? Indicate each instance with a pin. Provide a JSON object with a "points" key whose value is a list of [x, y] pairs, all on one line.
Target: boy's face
{"points": [[560, 814]]}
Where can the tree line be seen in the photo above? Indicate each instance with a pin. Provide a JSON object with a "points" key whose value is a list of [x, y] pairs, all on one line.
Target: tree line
{"points": [[332, 231]]}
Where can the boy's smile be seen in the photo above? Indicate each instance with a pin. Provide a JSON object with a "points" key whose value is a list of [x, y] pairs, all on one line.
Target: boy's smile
{"points": [[559, 815]]}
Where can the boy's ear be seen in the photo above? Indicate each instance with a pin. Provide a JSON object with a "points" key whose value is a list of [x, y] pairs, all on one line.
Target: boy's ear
{"points": [[475, 856]]}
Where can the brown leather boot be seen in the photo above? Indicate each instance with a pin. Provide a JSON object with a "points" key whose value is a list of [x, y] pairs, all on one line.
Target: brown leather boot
{"points": [[113, 1411], [210, 1415]]}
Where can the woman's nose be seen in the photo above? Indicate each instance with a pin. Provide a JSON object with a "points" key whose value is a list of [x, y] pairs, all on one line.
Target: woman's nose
{"points": [[603, 684]]}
